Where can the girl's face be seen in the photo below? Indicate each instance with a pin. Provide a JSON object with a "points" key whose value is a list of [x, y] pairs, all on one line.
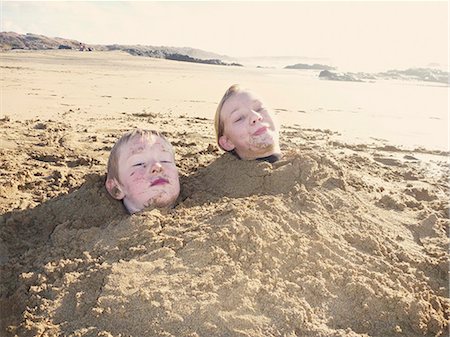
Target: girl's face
{"points": [[249, 127], [147, 173]]}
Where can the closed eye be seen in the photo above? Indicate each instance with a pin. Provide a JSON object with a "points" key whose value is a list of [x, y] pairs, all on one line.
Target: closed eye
{"points": [[239, 119], [166, 161], [138, 164]]}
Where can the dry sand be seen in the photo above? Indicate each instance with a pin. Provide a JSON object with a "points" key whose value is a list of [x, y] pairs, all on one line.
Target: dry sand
{"points": [[333, 240]]}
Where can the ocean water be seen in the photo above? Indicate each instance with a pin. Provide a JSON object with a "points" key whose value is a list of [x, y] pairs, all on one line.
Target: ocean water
{"points": [[409, 114], [373, 66]]}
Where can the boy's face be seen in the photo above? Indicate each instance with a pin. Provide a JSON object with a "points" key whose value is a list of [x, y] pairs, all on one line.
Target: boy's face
{"points": [[147, 173], [249, 127]]}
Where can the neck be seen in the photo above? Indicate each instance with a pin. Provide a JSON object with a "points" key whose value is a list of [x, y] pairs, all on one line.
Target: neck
{"points": [[275, 149], [130, 207]]}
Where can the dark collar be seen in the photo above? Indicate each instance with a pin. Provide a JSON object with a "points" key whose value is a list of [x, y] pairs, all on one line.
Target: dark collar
{"points": [[271, 159]]}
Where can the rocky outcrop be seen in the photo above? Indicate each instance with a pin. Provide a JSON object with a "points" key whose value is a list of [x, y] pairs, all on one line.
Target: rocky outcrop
{"points": [[412, 74], [314, 66], [328, 75], [419, 74]]}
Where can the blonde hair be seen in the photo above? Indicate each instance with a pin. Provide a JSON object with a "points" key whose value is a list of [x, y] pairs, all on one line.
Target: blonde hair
{"points": [[218, 123], [113, 160]]}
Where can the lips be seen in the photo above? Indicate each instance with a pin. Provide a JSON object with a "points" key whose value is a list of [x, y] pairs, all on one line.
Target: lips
{"points": [[260, 131], [159, 181]]}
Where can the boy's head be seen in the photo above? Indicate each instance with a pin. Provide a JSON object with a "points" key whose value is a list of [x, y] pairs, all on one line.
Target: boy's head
{"points": [[142, 171], [244, 124]]}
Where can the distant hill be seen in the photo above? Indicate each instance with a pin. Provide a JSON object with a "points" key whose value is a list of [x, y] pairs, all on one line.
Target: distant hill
{"points": [[173, 53], [11, 40]]}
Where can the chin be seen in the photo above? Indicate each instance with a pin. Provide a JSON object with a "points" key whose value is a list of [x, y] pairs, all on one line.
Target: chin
{"points": [[163, 201], [264, 142], [264, 147]]}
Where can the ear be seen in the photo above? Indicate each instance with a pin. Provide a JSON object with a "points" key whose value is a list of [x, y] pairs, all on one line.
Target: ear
{"points": [[114, 188], [226, 143]]}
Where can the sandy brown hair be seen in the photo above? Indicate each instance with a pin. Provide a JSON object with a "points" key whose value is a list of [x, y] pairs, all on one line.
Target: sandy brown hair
{"points": [[218, 123], [113, 161]]}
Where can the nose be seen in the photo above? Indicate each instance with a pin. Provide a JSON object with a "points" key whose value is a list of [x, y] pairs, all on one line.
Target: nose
{"points": [[255, 117], [156, 168]]}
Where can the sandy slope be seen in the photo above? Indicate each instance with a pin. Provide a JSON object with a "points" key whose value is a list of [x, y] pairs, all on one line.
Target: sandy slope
{"points": [[334, 240]]}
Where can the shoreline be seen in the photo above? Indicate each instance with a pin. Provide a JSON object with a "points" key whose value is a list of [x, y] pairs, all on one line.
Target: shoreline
{"points": [[91, 82]]}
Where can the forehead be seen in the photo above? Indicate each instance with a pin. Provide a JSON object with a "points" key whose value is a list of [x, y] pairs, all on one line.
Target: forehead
{"points": [[139, 144], [239, 99]]}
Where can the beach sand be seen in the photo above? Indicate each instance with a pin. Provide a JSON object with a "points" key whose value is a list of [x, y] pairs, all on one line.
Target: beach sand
{"points": [[333, 240]]}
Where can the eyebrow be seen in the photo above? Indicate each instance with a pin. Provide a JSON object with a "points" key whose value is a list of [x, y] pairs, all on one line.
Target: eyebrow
{"points": [[255, 101], [164, 148], [233, 111]]}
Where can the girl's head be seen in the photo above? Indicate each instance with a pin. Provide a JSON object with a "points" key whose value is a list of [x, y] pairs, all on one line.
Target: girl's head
{"points": [[142, 171], [245, 125]]}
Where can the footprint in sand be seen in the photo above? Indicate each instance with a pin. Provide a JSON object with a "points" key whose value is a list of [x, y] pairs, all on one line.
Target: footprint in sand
{"points": [[421, 194]]}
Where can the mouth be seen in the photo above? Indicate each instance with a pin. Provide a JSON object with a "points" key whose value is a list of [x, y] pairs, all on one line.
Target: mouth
{"points": [[159, 181], [260, 131]]}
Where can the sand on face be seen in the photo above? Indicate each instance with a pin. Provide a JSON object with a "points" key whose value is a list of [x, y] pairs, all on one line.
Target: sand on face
{"points": [[333, 240]]}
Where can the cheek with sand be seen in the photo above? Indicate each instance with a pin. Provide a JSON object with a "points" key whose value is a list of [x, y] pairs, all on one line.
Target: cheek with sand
{"points": [[331, 240]]}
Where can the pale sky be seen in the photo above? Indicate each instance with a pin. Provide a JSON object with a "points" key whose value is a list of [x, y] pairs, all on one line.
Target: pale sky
{"points": [[357, 35]]}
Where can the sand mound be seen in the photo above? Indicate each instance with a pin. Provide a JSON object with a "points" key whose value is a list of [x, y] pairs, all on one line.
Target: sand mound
{"points": [[228, 176], [304, 247]]}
